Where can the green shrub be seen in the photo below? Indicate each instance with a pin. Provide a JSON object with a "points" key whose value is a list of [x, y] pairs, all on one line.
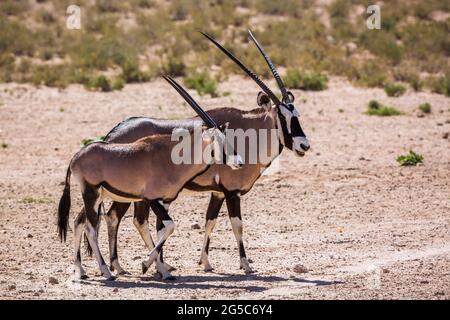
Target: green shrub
{"points": [[285, 7], [174, 67], [32, 200], [410, 159], [203, 83], [88, 141], [15, 38], [425, 107], [296, 79], [90, 52], [14, 7], [382, 44], [108, 5], [371, 74], [131, 72], [145, 4], [51, 76], [375, 108], [180, 10], [416, 84], [118, 84], [394, 89], [99, 82], [441, 85]]}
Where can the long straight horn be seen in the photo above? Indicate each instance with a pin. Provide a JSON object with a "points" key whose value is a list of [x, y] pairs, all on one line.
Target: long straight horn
{"points": [[271, 66], [205, 117], [258, 81]]}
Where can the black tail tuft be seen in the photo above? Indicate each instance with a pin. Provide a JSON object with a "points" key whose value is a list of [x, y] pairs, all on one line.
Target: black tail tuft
{"points": [[64, 209]]}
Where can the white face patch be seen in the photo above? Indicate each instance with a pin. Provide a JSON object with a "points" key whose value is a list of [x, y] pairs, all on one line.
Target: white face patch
{"points": [[217, 178], [297, 141]]}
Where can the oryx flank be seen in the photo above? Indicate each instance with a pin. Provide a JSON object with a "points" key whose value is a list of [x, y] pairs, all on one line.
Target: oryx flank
{"points": [[141, 171], [224, 184]]}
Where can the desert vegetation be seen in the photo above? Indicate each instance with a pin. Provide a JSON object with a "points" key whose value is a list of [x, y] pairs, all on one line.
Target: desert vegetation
{"points": [[124, 42], [376, 108], [410, 159]]}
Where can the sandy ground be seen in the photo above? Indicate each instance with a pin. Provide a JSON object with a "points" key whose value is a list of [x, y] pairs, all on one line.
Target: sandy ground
{"points": [[363, 226]]}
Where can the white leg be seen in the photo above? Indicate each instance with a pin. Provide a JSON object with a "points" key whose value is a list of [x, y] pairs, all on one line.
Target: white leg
{"points": [[236, 224], [169, 227], [204, 255], [91, 234], [144, 231], [78, 233]]}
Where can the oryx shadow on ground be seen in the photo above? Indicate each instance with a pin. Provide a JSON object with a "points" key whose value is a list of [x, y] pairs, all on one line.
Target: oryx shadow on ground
{"points": [[256, 283]]}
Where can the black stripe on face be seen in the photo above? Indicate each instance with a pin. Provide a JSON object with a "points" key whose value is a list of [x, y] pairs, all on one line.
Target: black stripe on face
{"points": [[286, 135], [296, 129]]}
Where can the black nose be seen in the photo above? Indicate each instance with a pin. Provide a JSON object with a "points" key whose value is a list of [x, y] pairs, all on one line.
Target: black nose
{"points": [[304, 147]]}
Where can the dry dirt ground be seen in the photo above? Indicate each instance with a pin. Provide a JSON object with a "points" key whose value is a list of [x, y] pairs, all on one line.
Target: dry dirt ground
{"points": [[363, 226]]}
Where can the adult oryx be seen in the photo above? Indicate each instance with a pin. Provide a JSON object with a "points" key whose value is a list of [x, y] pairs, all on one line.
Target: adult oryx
{"points": [[281, 119], [141, 171]]}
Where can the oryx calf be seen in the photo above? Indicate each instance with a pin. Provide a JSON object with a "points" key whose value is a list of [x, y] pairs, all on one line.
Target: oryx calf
{"points": [[138, 171]]}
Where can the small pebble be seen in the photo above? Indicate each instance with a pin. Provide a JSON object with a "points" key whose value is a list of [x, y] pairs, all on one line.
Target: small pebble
{"points": [[53, 280], [298, 268], [195, 226]]}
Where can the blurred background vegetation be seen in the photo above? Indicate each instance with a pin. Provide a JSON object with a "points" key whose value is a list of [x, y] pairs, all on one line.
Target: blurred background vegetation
{"points": [[133, 41]]}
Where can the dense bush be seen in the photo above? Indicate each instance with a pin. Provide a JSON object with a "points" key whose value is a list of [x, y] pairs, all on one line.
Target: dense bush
{"points": [[124, 38], [297, 79], [441, 85], [375, 108], [425, 107], [394, 89], [203, 83]]}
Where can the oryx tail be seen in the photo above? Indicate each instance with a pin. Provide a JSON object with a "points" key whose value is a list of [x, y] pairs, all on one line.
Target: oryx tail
{"points": [[64, 208]]}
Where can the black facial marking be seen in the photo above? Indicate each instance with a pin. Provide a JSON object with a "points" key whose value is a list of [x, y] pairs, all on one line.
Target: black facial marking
{"points": [[296, 129], [287, 137]]}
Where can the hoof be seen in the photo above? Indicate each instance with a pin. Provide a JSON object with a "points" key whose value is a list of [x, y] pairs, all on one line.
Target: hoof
{"points": [[209, 269], [84, 277], [124, 273], [144, 268], [111, 278], [249, 271]]}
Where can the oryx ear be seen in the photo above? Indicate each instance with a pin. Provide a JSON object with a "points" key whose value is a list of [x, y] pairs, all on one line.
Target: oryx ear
{"points": [[291, 96], [263, 100]]}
